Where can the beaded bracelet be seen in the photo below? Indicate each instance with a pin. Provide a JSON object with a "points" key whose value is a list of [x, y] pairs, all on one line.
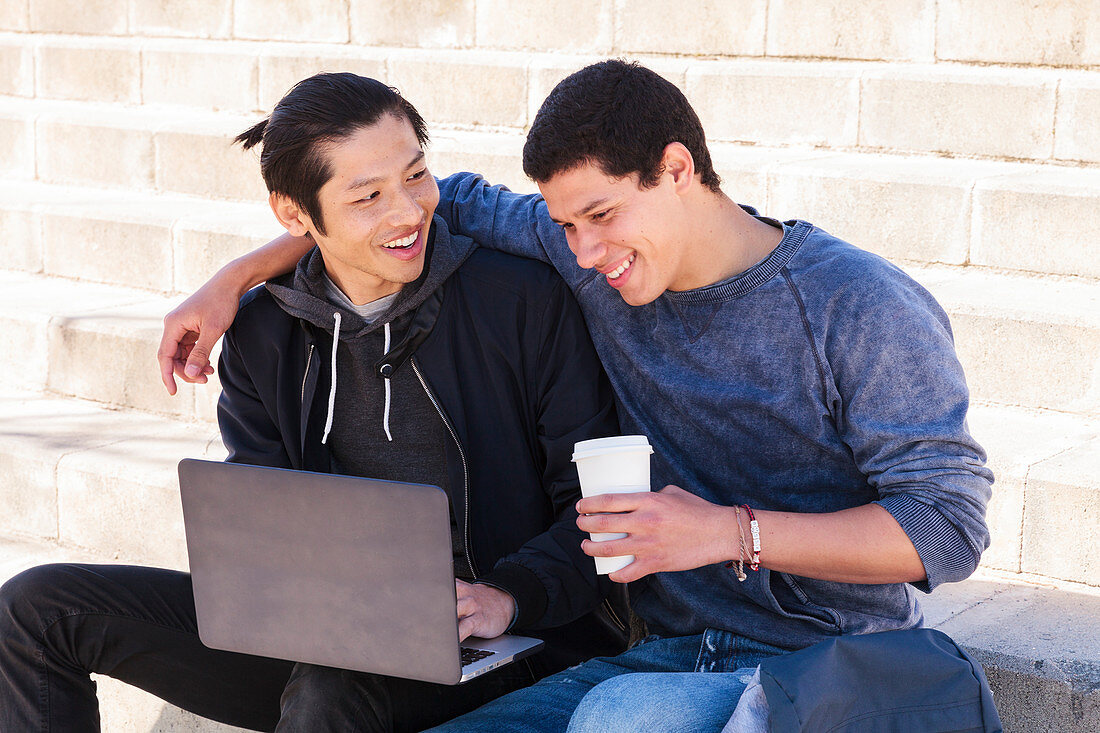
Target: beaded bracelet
{"points": [[754, 528]]}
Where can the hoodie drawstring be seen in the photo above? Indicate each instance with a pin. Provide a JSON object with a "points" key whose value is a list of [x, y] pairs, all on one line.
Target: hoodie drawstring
{"points": [[332, 389], [386, 414]]}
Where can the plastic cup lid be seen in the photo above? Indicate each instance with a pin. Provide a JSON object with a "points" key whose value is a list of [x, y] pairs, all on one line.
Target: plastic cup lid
{"points": [[616, 444]]}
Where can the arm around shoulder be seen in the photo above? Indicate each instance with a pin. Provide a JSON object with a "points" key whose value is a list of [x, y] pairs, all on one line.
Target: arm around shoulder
{"points": [[196, 324], [499, 219]]}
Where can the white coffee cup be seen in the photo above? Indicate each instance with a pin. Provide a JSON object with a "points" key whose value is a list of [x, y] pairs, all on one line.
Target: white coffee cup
{"points": [[618, 465]]}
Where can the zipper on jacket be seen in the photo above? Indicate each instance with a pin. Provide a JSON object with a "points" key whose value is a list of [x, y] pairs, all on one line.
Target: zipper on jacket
{"points": [[465, 470], [309, 360]]}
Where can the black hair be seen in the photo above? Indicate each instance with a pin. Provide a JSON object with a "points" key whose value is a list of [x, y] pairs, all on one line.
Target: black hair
{"points": [[316, 112], [620, 117]]}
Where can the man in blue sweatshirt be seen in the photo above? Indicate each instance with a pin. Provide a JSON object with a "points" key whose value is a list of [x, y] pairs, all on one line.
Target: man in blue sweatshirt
{"points": [[803, 397]]}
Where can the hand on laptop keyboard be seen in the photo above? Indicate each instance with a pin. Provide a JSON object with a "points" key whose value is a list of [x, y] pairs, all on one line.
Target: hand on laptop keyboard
{"points": [[483, 610]]}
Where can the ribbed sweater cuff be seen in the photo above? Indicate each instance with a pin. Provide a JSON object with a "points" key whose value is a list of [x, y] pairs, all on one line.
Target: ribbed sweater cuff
{"points": [[524, 586], [943, 550]]}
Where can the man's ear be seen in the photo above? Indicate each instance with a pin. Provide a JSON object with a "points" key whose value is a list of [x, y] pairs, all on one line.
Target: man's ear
{"points": [[290, 215], [679, 164]]}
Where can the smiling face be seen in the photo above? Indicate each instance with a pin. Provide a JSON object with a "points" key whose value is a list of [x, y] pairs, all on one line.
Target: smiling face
{"points": [[630, 234], [377, 209]]}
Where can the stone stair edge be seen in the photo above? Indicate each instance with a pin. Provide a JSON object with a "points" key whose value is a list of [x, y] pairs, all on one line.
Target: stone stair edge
{"points": [[866, 165], [97, 478], [153, 118], [531, 76], [259, 47], [1036, 640], [1043, 210], [981, 303], [93, 341], [158, 135], [1072, 299], [1069, 298]]}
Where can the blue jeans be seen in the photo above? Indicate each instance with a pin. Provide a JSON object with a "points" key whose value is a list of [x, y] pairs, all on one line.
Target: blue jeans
{"points": [[654, 686]]}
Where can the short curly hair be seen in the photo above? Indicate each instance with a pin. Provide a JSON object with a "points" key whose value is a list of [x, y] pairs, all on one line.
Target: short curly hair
{"points": [[620, 117]]}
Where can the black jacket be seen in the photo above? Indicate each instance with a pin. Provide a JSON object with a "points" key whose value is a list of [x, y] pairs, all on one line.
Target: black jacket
{"points": [[502, 351]]}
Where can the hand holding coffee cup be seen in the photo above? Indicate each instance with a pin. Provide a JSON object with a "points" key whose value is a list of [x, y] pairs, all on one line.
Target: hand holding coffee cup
{"points": [[618, 465]]}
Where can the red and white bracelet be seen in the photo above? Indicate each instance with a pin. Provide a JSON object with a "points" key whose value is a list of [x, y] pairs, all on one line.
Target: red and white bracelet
{"points": [[754, 529], [742, 551]]}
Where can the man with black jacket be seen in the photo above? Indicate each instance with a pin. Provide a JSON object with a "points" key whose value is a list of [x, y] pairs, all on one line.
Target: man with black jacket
{"points": [[395, 350]]}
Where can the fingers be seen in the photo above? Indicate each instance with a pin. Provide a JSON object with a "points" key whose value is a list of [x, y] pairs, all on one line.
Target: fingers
{"points": [[608, 522], [198, 361], [634, 571], [482, 610], [466, 628], [467, 609], [609, 548], [465, 601], [168, 350], [612, 502]]}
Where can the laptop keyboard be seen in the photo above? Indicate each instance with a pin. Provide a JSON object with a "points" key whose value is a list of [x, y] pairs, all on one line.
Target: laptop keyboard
{"points": [[471, 655]]}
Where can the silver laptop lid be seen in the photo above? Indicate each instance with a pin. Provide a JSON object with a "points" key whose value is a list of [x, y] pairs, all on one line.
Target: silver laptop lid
{"points": [[334, 570]]}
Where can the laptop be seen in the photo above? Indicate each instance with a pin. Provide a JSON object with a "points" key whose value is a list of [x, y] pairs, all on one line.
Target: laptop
{"points": [[339, 571]]}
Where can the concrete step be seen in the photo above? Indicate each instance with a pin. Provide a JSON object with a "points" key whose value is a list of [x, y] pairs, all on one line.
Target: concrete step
{"points": [[866, 105], [1046, 466], [104, 480], [91, 341], [915, 30], [175, 150], [1037, 642], [159, 242], [140, 148], [1025, 341], [1008, 216]]}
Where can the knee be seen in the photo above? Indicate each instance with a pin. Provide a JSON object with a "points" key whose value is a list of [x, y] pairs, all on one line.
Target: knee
{"points": [[628, 703], [310, 686], [28, 596], [660, 701], [323, 698]]}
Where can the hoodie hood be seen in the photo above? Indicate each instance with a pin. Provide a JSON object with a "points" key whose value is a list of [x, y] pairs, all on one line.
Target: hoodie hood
{"points": [[302, 294]]}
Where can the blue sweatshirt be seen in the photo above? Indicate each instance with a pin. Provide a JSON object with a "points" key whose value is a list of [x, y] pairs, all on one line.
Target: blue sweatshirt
{"points": [[821, 378]]}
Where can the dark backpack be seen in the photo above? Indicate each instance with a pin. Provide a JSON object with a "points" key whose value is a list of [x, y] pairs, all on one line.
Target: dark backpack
{"points": [[893, 681]]}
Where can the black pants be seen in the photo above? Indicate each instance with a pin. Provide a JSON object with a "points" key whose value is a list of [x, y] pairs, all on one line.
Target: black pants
{"points": [[59, 623]]}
